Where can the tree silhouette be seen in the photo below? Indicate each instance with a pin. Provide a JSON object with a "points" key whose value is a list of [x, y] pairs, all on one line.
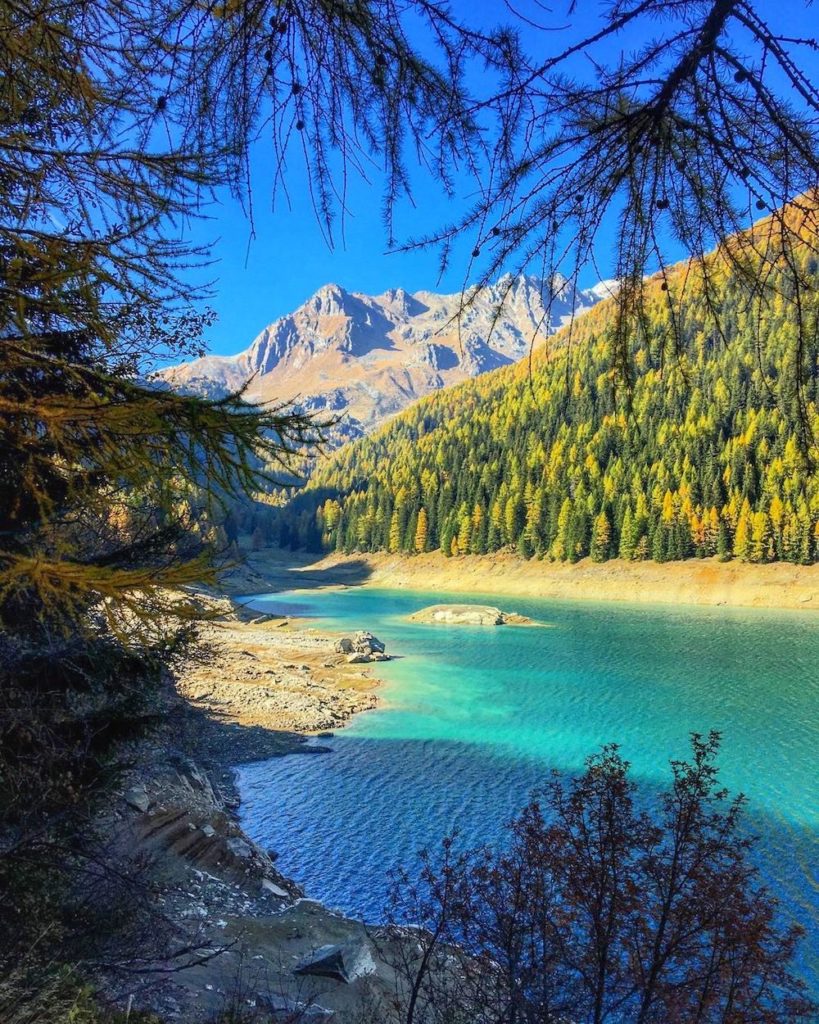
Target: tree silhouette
{"points": [[598, 909], [119, 122], [672, 145]]}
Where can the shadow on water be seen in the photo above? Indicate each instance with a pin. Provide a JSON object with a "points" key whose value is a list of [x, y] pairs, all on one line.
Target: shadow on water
{"points": [[217, 741], [341, 824], [473, 720]]}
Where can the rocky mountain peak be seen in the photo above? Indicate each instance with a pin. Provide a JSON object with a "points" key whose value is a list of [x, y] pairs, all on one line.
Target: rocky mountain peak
{"points": [[329, 300], [368, 357]]}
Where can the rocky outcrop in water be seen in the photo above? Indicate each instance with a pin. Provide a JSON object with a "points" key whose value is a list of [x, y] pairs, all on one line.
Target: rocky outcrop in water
{"points": [[366, 643], [362, 648], [470, 615]]}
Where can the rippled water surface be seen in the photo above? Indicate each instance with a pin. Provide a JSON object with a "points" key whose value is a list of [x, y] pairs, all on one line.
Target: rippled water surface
{"points": [[473, 718]]}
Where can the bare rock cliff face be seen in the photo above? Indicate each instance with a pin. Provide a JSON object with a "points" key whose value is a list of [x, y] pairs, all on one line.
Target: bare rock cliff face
{"points": [[363, 358]]}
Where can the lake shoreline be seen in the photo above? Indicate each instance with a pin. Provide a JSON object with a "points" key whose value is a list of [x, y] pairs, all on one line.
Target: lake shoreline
{"points": [[474, 718], [257, 688], [275, 673], [269, 572], [702, 582]]}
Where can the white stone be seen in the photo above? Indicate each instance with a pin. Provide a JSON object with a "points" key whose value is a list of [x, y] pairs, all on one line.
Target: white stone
{"points": [[275, 889]]}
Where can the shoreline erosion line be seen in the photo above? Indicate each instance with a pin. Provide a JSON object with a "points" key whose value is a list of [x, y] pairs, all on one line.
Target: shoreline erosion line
{"points": [[702, 582]]}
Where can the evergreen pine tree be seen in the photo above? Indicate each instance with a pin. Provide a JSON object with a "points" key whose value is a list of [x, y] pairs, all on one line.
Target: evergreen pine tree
{"points": [[659, 544], [723, 542], [421, 532], [564, 541], [410, 533], [760, 537], [446, 538], [803, 543], [742, 537], [601, 537], [628, 542], [394, 542], [464, 534]]}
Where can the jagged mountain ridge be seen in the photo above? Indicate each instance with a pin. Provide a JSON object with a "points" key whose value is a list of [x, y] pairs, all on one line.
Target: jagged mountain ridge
{"points": [[363, 358]]}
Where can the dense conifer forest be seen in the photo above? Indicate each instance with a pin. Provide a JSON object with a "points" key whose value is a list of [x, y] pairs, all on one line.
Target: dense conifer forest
{"points": [[708, 451]]}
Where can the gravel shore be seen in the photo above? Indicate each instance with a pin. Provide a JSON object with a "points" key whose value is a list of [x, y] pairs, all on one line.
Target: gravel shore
{"points": [[281, 675], [256, 688], [284, 678]]}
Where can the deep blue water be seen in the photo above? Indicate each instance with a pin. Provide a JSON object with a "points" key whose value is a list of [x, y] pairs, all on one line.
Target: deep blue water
{"points": [[473, 719]]}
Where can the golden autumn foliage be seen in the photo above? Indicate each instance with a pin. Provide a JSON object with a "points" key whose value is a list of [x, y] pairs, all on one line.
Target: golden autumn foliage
{"points": [[710, 453]]}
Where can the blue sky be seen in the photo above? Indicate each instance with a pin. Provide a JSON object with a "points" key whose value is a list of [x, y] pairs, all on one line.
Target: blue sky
{"points": [[258, 280], [255, 281]]}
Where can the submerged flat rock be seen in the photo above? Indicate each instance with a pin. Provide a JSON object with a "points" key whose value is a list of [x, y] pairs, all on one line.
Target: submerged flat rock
{"points": [[470, 615]]}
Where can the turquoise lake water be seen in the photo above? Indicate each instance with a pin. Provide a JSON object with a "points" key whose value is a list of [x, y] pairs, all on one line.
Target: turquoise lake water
{"points": [[473, 718]]}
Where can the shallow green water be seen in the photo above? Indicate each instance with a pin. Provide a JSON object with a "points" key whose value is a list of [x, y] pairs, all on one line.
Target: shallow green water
{"points": [[474, 717]]}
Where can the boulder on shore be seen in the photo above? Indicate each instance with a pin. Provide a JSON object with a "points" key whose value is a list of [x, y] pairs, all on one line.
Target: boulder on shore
{"points": [[470, 615], [137, 797], [342, 963], [344, 646]]}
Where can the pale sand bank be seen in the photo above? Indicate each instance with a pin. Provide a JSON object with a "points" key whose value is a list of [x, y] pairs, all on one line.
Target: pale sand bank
{"points": [[286, 678], [697, 582]]}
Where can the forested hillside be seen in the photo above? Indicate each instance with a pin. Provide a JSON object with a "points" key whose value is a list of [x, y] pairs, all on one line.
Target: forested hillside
{"points": [[710, 451]]}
